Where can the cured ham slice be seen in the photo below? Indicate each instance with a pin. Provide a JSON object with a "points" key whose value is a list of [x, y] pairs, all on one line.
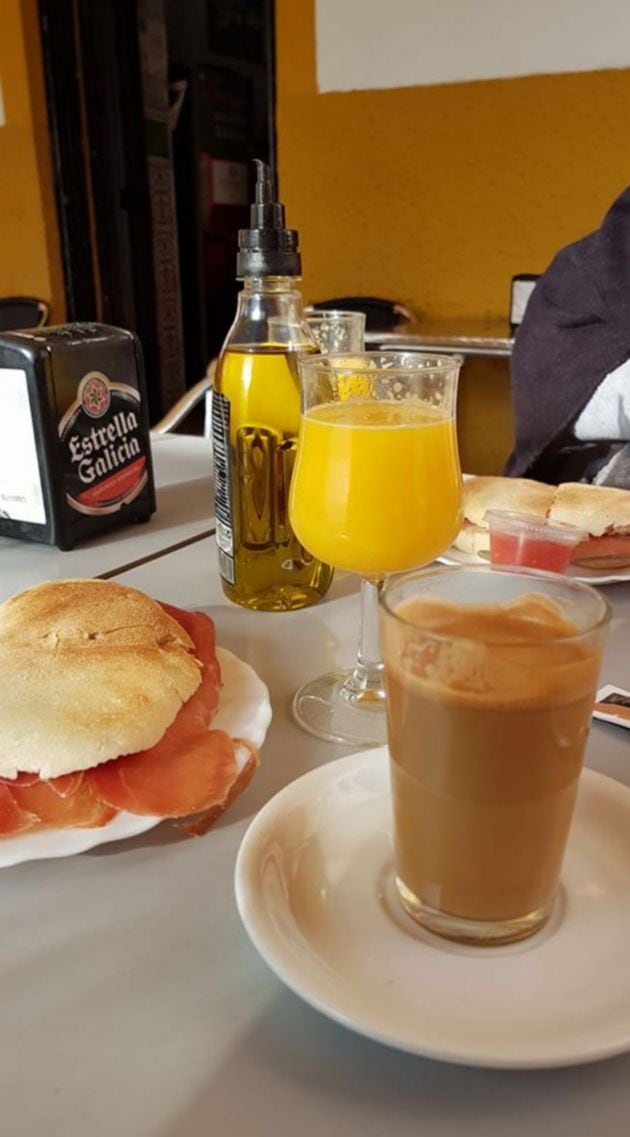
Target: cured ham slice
{"points": [[197, 826], [191, 769], [170, 780], [62, 803], [13, 819], [66, 785], [20, 780], [198, 712]]}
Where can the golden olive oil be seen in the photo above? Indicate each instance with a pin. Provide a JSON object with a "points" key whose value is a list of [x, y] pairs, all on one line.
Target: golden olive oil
{"points": [[256, 412]]}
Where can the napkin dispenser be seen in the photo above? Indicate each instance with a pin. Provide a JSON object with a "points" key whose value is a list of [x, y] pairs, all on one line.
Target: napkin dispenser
{"points": [[75, 457]]}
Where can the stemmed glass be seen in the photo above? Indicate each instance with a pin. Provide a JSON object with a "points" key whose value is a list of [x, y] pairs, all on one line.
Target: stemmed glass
{"points": [[376, 490], [336, 331]]}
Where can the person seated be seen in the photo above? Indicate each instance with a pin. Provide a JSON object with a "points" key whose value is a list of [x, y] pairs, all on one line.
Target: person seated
{"points": [[570, 373]]}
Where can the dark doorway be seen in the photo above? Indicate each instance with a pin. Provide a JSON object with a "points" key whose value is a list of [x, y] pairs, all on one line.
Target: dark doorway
{"points": [[156, 108], [222, 70]]}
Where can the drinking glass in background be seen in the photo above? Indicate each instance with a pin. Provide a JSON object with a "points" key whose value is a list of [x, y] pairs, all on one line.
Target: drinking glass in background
{"points": [[491, 679], [336, 331], [376, 489]]}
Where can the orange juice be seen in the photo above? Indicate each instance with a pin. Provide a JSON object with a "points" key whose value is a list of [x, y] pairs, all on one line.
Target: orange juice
{"points": [[377, 484]]}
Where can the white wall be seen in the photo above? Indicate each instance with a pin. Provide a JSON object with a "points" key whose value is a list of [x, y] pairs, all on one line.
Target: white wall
{"points": [[372, 44]]}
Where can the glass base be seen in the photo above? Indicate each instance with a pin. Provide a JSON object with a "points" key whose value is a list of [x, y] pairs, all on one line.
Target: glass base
{"points": [[479, 933], [333, 708]]}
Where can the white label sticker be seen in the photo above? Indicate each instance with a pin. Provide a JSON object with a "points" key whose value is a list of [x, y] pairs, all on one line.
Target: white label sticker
{"points": [[21, 497]]}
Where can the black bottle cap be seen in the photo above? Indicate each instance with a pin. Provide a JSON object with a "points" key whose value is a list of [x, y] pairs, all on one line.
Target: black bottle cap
{"points": [[267, 248]]}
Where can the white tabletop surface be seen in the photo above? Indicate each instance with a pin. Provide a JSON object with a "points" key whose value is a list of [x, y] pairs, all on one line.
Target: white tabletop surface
{"points": [[133, 1004], [185, 510]]}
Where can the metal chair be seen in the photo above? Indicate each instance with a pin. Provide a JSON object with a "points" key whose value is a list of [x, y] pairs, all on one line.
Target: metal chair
{"points": [[17, 312], [187, 402]]}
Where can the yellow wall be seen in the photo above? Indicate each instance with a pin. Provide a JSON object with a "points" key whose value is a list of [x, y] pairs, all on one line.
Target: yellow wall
{"points": [[30, 262], [436, 196]]}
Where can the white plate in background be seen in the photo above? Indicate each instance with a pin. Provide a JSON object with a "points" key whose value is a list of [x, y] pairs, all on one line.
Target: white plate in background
{"points": [[454, 556]]}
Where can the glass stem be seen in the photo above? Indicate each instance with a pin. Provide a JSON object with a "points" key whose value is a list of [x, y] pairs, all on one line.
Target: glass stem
{"points": [[365, 684]]}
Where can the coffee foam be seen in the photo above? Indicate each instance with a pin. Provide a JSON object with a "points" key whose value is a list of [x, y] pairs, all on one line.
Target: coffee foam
{"points": [[513, 654]]}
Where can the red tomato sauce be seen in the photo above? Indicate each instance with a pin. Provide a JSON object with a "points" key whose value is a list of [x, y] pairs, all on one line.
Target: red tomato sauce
{"points": [[533, 552]]}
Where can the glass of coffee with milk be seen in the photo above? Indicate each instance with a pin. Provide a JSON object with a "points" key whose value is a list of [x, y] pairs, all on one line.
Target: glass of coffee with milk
{"points": [[491, 678]]}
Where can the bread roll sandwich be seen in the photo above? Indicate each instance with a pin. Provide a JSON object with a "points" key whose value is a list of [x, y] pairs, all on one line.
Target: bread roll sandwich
{"points": [[107, 706], [603, 512], [482, 493]]}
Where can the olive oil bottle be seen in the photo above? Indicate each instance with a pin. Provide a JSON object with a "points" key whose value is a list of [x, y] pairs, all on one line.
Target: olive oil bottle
{"points": [[255, 419]]}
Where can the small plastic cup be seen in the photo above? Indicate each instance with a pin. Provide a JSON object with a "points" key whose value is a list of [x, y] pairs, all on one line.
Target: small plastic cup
{"points": [[520, 539]]}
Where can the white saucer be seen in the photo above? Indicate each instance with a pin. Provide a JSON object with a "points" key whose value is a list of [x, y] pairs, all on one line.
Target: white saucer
{"points": [[244, 712], [314, 889], [454, 556]]}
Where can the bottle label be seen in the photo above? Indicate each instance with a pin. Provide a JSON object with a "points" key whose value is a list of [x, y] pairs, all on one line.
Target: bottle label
{"points": [[21, 496], [102, 446], [223, 485]]}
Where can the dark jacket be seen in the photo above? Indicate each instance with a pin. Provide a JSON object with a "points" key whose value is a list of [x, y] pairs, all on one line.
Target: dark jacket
{"points": [[575, 331]]}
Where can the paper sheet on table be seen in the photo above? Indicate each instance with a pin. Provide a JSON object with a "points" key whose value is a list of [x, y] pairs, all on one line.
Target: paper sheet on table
{"points": [[612, 704]]}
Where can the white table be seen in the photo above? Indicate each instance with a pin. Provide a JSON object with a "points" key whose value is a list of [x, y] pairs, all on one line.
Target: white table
{"points": [[185, 512], [133, 1004]]}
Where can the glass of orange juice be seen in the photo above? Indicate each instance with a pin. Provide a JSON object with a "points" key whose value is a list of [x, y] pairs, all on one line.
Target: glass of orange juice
{"points": [[376, 490]]}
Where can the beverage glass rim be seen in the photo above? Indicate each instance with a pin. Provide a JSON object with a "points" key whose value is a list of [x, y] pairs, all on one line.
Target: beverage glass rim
{"points": [[579, 588], [403, 361], [333, 313]]}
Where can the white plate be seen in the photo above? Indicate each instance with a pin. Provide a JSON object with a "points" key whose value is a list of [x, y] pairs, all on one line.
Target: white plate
{"points": [[454, 556], [244, 712], [314, 889]]}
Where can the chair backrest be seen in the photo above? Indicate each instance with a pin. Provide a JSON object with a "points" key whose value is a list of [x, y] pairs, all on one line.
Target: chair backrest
{"points": [[17, 312], [380, 315], [201, 390], [207, 420]]}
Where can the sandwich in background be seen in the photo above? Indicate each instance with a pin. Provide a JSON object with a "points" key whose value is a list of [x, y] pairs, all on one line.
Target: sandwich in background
{"points": [[484, 493], [594, 520], [604, 512]]}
